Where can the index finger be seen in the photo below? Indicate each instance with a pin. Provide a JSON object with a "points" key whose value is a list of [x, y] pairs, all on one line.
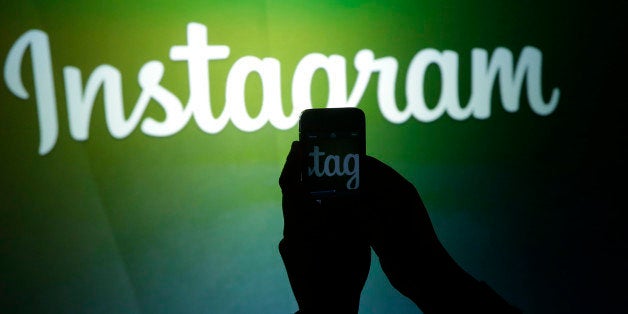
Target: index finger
{"points": [[291, 172]]}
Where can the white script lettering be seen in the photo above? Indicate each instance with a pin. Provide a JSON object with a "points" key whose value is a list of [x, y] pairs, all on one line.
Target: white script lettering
{"points": [[331, 167], [198, 55]]}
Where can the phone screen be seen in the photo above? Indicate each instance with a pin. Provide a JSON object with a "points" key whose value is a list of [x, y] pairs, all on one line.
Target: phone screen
{"points": [[333, 148]]}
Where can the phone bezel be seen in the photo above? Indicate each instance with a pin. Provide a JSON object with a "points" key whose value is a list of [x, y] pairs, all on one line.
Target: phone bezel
{"points": [[325, 121]]}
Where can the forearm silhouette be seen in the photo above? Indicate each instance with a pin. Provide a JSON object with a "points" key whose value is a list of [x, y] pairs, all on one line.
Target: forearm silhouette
{"points": [[326, 246]]}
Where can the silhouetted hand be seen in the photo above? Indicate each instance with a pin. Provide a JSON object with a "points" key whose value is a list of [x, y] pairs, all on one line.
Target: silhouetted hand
{"points": [[324, 248], [326, 251], [410, 253]]}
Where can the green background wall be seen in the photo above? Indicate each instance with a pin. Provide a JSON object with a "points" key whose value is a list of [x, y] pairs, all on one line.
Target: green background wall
{"points": [[190, 223]]}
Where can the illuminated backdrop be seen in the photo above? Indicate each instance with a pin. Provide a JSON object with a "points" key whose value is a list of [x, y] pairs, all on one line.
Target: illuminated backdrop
{"points": [[142, 143]]}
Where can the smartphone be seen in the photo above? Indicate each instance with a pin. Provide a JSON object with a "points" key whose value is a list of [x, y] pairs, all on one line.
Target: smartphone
{"points": [[333, 141]]}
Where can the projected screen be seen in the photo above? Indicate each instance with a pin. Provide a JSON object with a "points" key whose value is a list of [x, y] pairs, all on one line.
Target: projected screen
{"points": [[142, 144]]}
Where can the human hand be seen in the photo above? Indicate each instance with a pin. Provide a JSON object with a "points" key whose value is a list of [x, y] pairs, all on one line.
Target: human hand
{"points": [[324, 248], [410, 254]]}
